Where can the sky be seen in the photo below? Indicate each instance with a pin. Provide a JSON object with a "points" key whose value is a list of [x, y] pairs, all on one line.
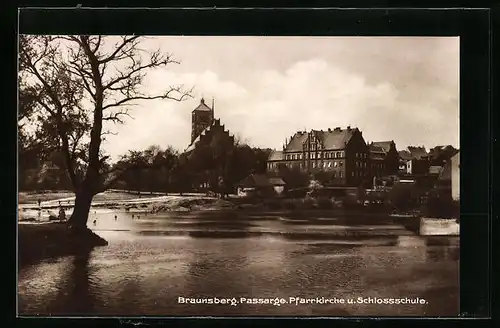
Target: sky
{"points": [[265, 89]]}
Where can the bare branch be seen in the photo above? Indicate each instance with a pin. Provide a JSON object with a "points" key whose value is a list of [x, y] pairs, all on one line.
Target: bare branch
{"points": [[108, 132], [116, 116], [156, 60], [115, 55], [168, 95]]}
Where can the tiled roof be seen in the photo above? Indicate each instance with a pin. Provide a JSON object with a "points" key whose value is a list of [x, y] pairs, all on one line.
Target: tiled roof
{"points": [[418, 152], [332, 139], [277, 181], [405, 155], [202, 107], [255, 180], [384, 145], [192, 146], [276, 155]]}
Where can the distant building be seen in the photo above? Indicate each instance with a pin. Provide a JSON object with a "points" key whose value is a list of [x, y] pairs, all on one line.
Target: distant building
{"points": [[342, 153], [419, 161], [384, 158], [260, 185], [207, 133], [404, 157], [204, 127], [439, 155], [455, 176]]}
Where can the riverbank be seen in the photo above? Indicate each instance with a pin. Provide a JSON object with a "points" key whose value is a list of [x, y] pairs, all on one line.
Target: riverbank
{"points": [[37, 242]]}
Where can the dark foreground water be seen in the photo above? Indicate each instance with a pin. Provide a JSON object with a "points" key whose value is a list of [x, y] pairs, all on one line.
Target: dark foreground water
{"points": [[153, 261]]}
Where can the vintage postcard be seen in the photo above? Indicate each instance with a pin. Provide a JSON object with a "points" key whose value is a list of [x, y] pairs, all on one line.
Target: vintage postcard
{"points": [[238, 176]]}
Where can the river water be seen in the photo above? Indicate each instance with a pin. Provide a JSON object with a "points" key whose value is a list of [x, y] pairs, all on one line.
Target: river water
{"points": [[153, 260]]}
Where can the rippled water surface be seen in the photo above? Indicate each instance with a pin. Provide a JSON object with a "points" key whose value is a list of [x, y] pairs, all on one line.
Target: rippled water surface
{"points": [[151, 261]]}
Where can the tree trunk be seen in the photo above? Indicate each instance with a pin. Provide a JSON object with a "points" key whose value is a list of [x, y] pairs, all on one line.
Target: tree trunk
{"points": [[81, 211]]}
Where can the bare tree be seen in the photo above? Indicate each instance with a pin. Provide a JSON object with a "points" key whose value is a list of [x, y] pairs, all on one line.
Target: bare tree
{"points": [[77, 83]]}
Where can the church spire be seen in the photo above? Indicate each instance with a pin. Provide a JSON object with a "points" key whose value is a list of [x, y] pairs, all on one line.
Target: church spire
{"points": [[213, 108]]}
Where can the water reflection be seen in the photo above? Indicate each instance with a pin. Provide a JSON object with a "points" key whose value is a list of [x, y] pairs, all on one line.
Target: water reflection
{"points": [[145, 270]]}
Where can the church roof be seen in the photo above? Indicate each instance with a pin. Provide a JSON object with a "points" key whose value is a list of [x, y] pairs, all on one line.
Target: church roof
{"points": [[192, 146], [202, 106]]}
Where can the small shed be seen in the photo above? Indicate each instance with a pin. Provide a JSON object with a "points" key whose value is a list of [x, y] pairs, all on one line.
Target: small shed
{"points": [[261, 185]]}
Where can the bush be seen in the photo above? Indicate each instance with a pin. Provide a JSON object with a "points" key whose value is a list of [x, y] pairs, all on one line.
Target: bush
{"points": [[308, 203], [403, 197], [441, 205], [273, 204], [289, 204], [325, 203]]}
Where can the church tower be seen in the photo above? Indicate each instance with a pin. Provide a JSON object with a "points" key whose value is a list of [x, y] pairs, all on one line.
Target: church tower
{"points": [[201, 118]]}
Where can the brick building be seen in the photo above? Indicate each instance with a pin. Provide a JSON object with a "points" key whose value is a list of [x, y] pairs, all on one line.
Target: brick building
{"points": [[342, 153], [210, 142], [205, 127], [384, 158]]}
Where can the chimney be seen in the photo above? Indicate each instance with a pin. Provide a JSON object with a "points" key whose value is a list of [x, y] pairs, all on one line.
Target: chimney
{"points": [[337, 128], [348, 128], [329, 130]]}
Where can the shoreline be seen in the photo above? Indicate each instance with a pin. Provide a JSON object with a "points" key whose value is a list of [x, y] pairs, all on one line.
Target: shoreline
{"points": [[38, 242]]}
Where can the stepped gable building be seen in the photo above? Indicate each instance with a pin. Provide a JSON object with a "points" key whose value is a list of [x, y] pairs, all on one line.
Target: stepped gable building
{"points": [[341, 152], [205, 127], [384, 158]]}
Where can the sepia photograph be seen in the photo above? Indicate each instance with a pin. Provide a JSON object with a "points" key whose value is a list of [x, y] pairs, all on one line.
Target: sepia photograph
{"points": [[238, 176]]}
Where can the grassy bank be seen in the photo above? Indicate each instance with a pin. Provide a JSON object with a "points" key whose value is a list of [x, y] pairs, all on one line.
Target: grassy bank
{"points": [[38, 242]]}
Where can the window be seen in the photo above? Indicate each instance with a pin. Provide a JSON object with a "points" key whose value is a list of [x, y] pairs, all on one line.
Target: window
{"points": [[327, 155], [313, 155], [330, 164], [324, 164], [357, 155], [341, 174], [352, 173], [318, 155], [313, 164], [334, 174], [364, 164], [341, 163], [335, 163]]}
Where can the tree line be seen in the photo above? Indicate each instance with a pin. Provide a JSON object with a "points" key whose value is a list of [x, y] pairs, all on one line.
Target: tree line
{"points": [[156, 169]]}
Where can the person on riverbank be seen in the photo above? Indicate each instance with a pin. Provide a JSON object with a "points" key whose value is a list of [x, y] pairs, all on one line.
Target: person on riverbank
{"points": [[39, 203], [62, 213]]}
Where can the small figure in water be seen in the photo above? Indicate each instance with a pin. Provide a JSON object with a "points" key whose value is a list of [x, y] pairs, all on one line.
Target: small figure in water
{"points": [[132, 216], [138, 217], [95, 222], [115, 217], [39, 203], [62, 213]]}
